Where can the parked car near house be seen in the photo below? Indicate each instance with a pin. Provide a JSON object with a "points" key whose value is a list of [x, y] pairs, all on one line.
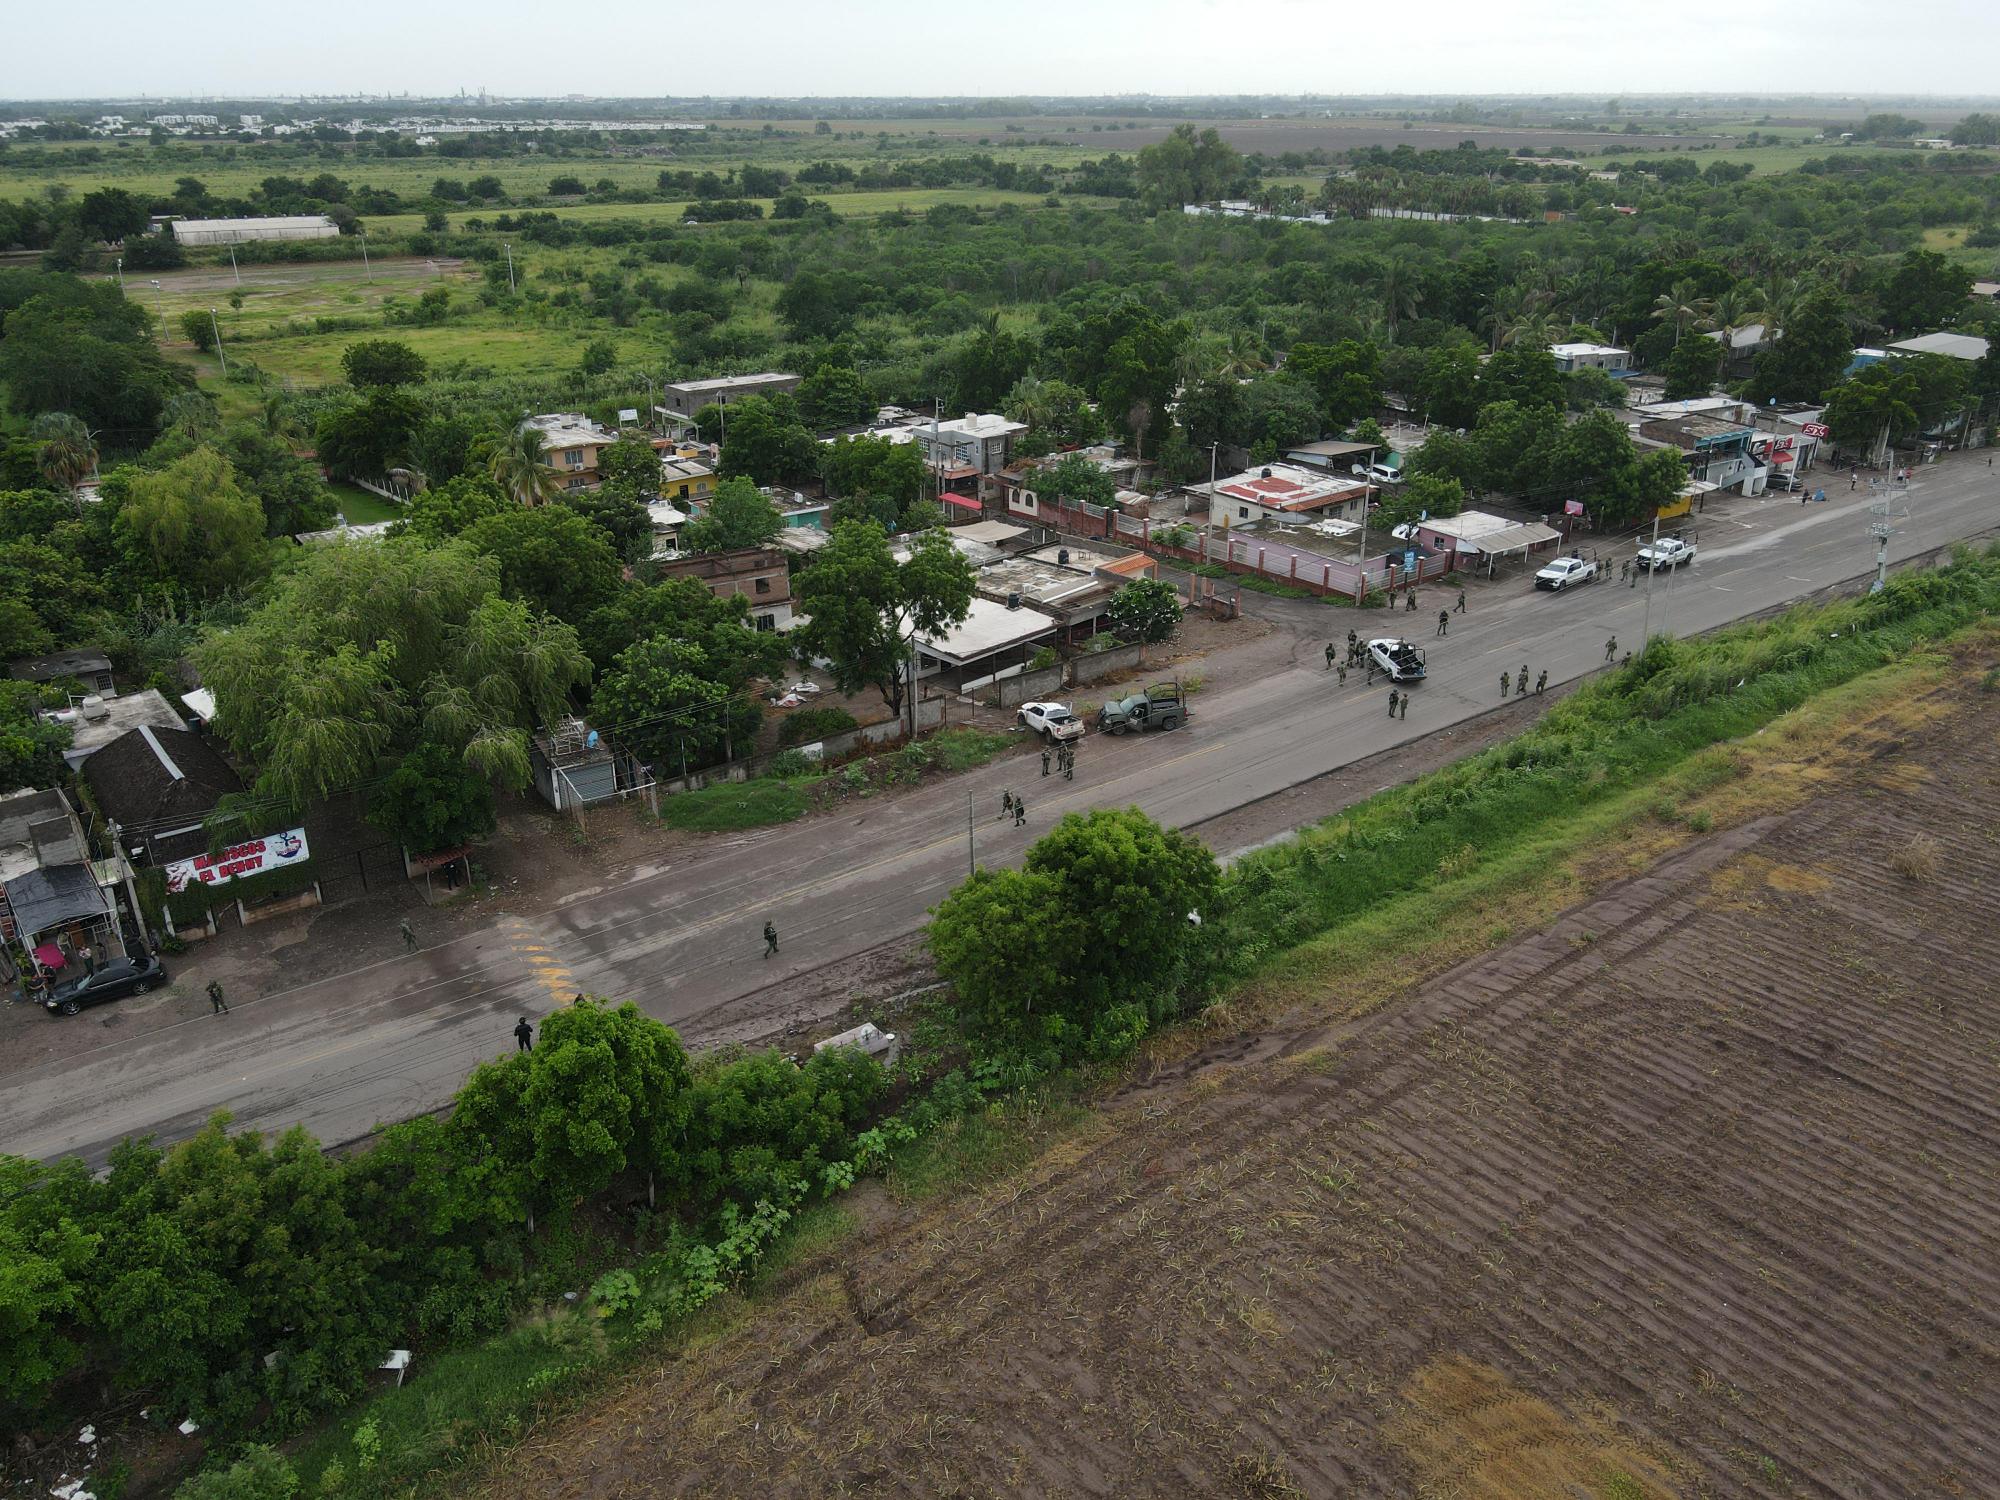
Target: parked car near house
{"points": [[1052, 721], [113, 981]]}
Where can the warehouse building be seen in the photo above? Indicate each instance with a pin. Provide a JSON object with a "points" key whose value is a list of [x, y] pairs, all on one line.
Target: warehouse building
{"points": [[244, 231]]}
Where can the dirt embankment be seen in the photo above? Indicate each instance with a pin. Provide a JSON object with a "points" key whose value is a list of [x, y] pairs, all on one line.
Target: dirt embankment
{"points": [[1695, 1191]]}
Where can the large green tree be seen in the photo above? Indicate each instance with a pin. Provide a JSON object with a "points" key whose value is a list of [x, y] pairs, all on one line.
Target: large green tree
{"points": [[669, 703], [764, 442], [867, 610], [364, 650], [737, 515], [382, 362], [1814, 348], [551, 558], [1189, 167], [191, 526], [834, 396], [433, 801]]}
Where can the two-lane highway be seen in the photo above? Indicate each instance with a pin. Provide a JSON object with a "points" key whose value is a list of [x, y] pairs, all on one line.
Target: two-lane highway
{"points": [[393, 1038]]}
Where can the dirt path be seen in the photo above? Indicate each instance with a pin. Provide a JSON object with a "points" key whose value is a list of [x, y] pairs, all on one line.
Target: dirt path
{"points": [[1694, 1192]]}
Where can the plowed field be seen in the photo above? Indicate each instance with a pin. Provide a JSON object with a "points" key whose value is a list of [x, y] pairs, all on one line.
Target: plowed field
{"points": [[1695, 1192]]}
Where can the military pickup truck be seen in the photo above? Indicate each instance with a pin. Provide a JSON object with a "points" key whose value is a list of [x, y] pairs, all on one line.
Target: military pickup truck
{"points": [[1161, 706]]}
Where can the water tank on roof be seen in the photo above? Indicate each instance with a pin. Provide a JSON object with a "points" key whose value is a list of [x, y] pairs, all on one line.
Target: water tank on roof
{"points": [[92, 708], [1014, 600], [1062, 555], [1266, 474]]}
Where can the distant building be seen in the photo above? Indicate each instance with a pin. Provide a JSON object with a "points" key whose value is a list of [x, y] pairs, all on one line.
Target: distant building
{"points": [[572, 444], [758, 575], [1591, 357], [91, 668], [967, 446], [685, 398], [1964, 346], [1986, 291], [686, 481], [1284, 492], [245, 231]]}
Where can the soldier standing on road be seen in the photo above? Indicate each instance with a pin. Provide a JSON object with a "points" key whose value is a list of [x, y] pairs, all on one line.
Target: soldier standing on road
{"points": [[1006, 805], [1410, 602], [1506, 686], [217, 1006], [1524, 677], [1020, 813], [1342, 670], [1635, 574], [1069, 763], [1406, 706], [1393, 696], [1444, 622], [1611, 648], [1045, 760], [524, 1036], [1459, 608], [1353, 645], [1542, 680], [1331, 653], [409, 935], [770, 939], [1625, 570]]}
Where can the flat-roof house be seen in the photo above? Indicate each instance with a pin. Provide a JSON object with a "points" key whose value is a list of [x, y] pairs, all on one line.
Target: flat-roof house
{"points": [[1964, 346], [1591, 357], [1072, 584], [758, 575], [990, 638], [1480, 533], [246, 231], [968, 446], [1986, 291], [51, 898], [572, 445], [1332, 455], [687, 482], [95, 722], [1285, 492], [1718, 449], [686, 397]]}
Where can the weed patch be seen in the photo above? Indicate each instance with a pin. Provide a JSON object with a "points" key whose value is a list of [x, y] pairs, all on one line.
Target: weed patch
{"points": [[736, 805]]}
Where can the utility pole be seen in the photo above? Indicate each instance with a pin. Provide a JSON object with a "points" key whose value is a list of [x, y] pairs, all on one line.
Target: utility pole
{"points": [[1883, 511], [508, 246], [971, 865], [367, 270], [216, 329], [121, 275], [1646, 634], [232, 265], [1208, 530]]}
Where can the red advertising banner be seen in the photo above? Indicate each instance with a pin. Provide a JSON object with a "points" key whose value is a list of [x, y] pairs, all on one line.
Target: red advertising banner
{"points": [[253, 857]]}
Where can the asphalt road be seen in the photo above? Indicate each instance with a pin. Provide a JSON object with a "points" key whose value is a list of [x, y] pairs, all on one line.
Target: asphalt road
{"points": [[396, 1037]]}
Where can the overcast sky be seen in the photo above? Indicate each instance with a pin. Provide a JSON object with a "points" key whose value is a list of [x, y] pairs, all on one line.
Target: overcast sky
{"points": [[849, 47]]}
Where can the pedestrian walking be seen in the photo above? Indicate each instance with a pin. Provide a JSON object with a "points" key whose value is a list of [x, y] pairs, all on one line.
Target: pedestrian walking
{"points": [[1444, 622], [1330, 653], [770, 939], [1459, 608], [1506, 687], [1541, 680], [1006, 805], [409, 935], [524, 1036], [1611, 648], [1045, 760], [1020, 812], [217, 1006], [1393, 697], [1853, 483]]}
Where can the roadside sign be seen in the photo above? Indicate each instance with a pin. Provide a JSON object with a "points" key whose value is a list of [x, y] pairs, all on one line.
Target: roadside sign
{"points": [[1815, 429]]}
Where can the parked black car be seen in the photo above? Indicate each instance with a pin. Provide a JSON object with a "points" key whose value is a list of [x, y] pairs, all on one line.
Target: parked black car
{"points": [[114, 981]]}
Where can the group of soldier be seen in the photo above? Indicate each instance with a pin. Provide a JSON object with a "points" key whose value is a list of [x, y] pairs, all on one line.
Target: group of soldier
{"points": [[1064, 757]]}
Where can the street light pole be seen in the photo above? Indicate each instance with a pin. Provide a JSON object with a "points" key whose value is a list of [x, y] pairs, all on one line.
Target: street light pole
{"points": [[121, 275], [367, 271], [216, 328], [508, 246], [232, 266], [1646, 634]]}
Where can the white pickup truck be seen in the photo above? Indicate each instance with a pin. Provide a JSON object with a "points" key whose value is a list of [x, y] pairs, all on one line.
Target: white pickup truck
{"points": [[1565, 571], [1667, 552]]}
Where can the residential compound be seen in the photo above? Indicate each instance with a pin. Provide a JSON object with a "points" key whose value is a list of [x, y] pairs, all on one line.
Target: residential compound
{"points": [[969, 446], [1591, 357], [1287, 492], [758, 575], [686, 397], [572, 445]]}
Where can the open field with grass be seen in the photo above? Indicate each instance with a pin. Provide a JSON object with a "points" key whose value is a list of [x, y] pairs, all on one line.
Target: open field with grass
{"points": [[1517, 1206]]}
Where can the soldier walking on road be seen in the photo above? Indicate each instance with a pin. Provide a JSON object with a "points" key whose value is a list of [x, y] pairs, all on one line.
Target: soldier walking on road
{"points": [[1045, 760], [1410, 601], [1393, 696], [1406, 706], [1506, 686], [1542, 680], [1331, 654], [217, 1006], [1625, 570], [1342, 669], [1069, 763], [1635, 574], [1020, 813], [1611, 648], [1459, 608], [770, 939], [1006, 805], [409, 935], [1444, 622], [524, 1036]]}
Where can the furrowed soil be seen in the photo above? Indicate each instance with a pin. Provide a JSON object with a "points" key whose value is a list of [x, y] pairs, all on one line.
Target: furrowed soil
{"points": [[1693, 1191]]}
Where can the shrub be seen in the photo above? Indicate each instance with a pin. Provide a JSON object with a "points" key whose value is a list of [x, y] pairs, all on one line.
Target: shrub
{"points": [[808, 725], [787, 764], [1916, 860]]}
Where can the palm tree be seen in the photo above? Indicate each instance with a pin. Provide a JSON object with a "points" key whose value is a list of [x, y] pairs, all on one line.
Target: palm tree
{"points": [[1400, 293], [1514, 314], [519, 466], [67, 455], [192, 413], [1688, 309]]}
